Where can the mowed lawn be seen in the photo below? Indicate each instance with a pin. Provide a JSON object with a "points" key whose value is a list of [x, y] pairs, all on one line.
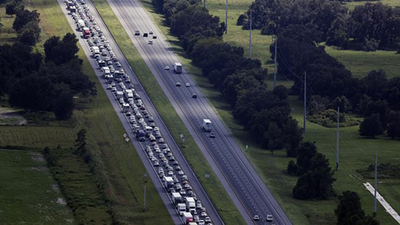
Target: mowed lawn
{"points": [[118, 165], [356, 153], [28, 192], [361, 63]]}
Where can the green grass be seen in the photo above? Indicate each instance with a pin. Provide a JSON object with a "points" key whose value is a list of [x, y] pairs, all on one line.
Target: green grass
{"points": [[191, 151], [238, 37], [7, 33], [119, 166], [361, 63], [79, 186], [28, 193], [355, 152]]}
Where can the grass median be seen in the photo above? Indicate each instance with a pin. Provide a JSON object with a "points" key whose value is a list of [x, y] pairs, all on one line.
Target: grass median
{"points": [[357, 153], [199, 164], [118, 165]]}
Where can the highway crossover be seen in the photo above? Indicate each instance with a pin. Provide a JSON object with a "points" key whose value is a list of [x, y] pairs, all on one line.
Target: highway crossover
{"points": [[140, 146], [237, 175]]}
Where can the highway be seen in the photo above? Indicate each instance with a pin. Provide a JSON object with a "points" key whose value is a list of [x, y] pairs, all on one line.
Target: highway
{"points": [[140, 146], [239, 178]]}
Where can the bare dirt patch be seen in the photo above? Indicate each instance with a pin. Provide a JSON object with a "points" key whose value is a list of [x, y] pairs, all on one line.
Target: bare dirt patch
{"points": [[10, 116], [38, 157]]}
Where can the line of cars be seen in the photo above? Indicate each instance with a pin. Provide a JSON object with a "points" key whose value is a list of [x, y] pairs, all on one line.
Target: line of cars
{"points": [[175, 182]]}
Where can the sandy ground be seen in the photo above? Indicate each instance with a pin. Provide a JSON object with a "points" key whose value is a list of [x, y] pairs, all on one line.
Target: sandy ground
{"points": [[10, 116]]}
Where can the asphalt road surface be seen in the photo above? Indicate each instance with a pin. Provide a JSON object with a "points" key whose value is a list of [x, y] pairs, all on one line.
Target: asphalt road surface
{"points": [[237, 175], [140, 146]]}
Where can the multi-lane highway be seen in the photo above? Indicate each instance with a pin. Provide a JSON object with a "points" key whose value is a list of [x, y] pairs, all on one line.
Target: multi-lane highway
{"points": [[237, 175], [140, 146]]}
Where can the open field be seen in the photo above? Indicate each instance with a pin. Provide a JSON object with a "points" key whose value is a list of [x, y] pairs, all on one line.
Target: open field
{"points": [[236, 36], [361, 63], [119, 166], [28, 192], [356, 153], [192, 153]]}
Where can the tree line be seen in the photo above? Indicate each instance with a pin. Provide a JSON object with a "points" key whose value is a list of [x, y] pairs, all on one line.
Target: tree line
{"points": [[26, 22], [264, 112], [37, 82], [368, 27], [374, 97]]}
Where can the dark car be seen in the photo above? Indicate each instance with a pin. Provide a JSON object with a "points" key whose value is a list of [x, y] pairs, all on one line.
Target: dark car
{"points": [[145, 35], [194, 95], [212, 135]]}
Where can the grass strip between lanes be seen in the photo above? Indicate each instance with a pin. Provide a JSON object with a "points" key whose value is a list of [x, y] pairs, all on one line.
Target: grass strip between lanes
{"points": [[213, 187]]}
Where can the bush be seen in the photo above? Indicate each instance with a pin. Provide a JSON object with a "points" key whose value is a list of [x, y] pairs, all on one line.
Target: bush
{"points": [[328, 118]]}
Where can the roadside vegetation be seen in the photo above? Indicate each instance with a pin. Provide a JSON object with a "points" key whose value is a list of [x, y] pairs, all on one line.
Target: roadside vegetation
{"points": [[354, 149], [119, 170], [199, 164], [28, 192]]}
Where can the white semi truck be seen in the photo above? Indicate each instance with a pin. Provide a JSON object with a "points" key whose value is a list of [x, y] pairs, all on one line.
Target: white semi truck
{"points": [[206, 125], [190, 204], [178, 67]]}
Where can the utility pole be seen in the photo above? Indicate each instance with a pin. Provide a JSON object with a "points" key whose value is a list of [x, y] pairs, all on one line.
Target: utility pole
{"points": [[226, 17], [337, 139], [305, 101], [276, 51], [144, 200], [376, 178], [251, 15]]}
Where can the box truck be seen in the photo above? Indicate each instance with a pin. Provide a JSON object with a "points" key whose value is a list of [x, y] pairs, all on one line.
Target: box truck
{"points": [[206, 125], [178, 67], [187, 218]]}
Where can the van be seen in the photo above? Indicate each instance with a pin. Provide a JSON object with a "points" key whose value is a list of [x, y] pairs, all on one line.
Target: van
{"points": [[149, 129], [105, 70], [80, 24]]}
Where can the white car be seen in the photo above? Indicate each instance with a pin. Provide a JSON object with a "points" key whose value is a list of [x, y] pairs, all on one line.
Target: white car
{"points": [[187, 84], [256, 217], [269, 218], [166, 68]]}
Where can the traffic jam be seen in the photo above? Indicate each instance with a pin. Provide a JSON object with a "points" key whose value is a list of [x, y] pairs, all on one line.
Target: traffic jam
{"points": [[142, 124]]}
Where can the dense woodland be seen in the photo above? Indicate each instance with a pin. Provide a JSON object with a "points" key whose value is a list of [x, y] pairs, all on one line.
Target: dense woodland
{"points": [[368, 27], [330, 84], [37, 82], [262, 110]]}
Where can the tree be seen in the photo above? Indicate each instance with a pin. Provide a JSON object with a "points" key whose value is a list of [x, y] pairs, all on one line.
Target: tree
{"points": [[293, 137], [29, 34], [393, 130], [10, 8], [25, 16], [34, 92], [80, 142], [317, 182], [63, 105], [368, 220], [371, 126], [61, 51], [349, 210], [305, 154], [292, 168]]}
